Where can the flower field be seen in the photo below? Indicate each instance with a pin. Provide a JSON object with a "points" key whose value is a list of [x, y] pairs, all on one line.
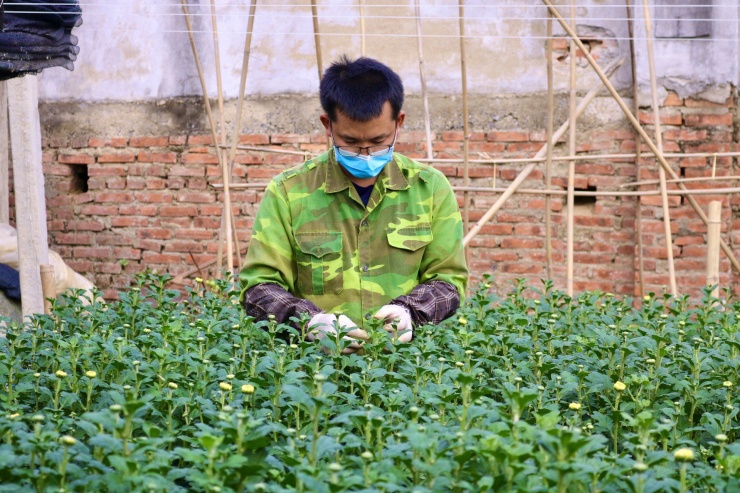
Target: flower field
{"points": [[533, 392]]}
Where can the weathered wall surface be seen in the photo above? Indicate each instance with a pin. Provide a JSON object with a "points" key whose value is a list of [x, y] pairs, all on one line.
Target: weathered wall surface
{"points": [[130, 165], [118, 204]]}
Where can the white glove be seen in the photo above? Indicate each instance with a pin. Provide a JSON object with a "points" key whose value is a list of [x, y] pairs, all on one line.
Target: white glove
{"points": [[324, 323], [404, 329]]}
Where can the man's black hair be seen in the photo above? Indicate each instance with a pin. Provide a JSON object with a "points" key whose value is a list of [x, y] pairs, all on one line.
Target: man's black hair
{"points": [[359, 89]]}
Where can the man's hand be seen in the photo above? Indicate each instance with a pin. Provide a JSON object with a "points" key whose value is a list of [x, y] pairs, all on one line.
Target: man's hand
{"points": [[404, 329], [322, 324]]}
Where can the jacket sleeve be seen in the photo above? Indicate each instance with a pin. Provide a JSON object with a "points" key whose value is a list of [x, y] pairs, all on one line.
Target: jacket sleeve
{"points": [[430, 302], [269, 271], [270, 299]]}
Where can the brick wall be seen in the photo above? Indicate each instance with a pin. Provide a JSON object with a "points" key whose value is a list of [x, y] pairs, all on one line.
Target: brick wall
{"points": [[118, 205]]}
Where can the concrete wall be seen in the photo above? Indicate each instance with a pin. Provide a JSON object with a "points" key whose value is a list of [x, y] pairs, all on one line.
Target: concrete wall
{"points": [[139, 50]]}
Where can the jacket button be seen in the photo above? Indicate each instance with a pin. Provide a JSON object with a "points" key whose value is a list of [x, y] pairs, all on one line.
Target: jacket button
{"points": [[364, 268], [367, 316], [364, 222]]}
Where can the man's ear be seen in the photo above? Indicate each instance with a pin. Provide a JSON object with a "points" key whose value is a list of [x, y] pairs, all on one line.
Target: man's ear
{"points": [[401, 118], [326, 122]]}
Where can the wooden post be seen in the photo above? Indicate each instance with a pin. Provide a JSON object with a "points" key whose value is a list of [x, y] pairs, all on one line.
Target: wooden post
{"points": [[362, 28], [550, 145], [4, 156], [714, 228], [317, 38], [422, 77], [28, 183], [659, 145], [527, 170], [638, 148], [636, 125], [570, 220], [220, 155], [466, 132], [48, 285]]}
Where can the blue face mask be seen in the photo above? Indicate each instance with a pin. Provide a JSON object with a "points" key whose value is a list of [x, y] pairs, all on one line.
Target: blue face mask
{"points": [[363, 166]]}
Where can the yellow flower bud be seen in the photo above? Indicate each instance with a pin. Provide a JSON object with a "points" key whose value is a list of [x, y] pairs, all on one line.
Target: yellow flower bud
{"points": [[684, 455], [172, 385], [68, 440], [224, 386], [91, 374], [574, 406], [620, 386], [61, 373], [248, 389]]}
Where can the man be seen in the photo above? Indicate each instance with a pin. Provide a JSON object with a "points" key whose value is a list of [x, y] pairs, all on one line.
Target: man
{"points": [[359, 231]]}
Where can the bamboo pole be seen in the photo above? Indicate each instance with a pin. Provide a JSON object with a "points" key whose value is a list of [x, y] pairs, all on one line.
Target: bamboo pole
{"points": [[638, 147], [363, 50], [422, 77], [579, 157], [633, 121], [713, 235], [570, 219], [540, 191], [527, 170], [550, 145], [238, 118], [48, 285], [466, 132], [222, 125], [681, 180], [659, 145], [317, 38], [219, 155]]}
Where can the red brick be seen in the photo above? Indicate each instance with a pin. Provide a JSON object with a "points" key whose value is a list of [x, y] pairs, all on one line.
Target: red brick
{"points": [[75, 159], [183, 246], [157, 157], [508, 136], [57, 170], [195, 234], [119, 197], [523, 268], [594, 221], [92, 252], [708, 120], [647, 118], [128, 221], [98, 210], [200, 140], [98, 170], [197, 197], [178, 210], [178, 140], [127, 253], [120, 157], [673, 100], [154, 233], [138, 210], [160, 197], [81, 225], [187, 171], [289, 139], [521, 243], [199, 159], [73, 238], [148, 141], [255, 139]]}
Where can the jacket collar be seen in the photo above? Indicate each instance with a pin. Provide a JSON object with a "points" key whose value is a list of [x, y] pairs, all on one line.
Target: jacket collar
{"points": [[391, 177]]}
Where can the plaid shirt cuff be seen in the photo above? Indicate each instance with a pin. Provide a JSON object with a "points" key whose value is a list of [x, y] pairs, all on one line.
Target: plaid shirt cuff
{"points": [[430, 302], [270, 299]]}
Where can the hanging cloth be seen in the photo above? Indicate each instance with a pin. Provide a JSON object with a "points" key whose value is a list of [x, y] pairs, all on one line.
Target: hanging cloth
{"points": [[37, 34]]}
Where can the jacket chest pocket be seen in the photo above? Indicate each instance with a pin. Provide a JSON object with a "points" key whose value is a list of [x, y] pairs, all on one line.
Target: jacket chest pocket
{"points": [[407, 248], [320, 265]]}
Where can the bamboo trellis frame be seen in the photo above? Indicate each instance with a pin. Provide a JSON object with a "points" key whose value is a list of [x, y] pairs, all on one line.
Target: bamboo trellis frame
{"points": [[571, 158]]}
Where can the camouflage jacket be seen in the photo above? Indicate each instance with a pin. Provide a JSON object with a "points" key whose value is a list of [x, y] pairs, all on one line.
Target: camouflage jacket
{"points": [[314, 238]]}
